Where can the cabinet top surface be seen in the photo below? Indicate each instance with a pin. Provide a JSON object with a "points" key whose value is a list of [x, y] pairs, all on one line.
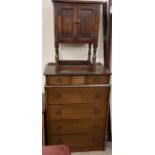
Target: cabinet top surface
{"points": [[100, 70], [79, 1]]}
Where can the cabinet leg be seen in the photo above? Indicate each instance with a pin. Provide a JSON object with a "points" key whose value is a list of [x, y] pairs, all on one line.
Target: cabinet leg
{"points": [[94, 54], [57, 53], [57, 57]]}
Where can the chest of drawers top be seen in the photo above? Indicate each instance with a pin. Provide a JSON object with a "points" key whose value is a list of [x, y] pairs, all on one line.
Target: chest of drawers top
{"points": [[71, 77], [100, 70]]}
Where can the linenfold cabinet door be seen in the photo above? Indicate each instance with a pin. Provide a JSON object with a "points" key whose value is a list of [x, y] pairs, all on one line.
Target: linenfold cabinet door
{"points": [[66, 22], [86, 26]]}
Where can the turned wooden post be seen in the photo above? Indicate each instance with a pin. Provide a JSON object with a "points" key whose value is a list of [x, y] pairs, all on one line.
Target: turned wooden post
{"points": [[94, 53]]}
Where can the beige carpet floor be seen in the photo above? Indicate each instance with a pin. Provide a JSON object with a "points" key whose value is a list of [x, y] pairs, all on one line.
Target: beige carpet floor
{"points": [[108, 151]]}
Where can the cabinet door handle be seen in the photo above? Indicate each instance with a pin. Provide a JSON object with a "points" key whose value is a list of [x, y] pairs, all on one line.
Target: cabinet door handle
{"points": [[58, 96], [77, 21]]}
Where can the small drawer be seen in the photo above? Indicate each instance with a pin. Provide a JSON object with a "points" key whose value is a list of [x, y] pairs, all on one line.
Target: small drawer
{"points": [[77, 80], [58, 80], [76, 111], [99, 79], [69, 95], [76, 127], [80, 140]]}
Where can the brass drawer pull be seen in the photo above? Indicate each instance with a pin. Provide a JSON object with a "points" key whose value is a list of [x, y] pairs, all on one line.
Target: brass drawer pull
{"points": [[97, 111], [58, 112], [58, 141], [97, 95], [96, 126], [59, 127], [94, 139], [58, 96], [59, 80]]}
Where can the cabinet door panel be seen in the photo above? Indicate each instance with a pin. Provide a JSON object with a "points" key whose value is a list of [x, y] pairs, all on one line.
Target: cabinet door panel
{"points": [[86, 26], [67, 27]]}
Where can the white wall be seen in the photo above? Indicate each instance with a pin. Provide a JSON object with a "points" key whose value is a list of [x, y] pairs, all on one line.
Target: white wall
{"points": [[71, 52]]}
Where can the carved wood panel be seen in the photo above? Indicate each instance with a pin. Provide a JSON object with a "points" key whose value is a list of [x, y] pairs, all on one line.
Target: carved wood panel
{"points": [[67, 27], [86, 26]]}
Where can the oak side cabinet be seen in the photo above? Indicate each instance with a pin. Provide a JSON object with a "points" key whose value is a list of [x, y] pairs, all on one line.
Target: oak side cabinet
{"points": [[77, 22]]}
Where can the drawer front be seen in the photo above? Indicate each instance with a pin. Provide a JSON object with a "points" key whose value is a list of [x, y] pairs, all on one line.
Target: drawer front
{"points": [[76, 127], [81, 140], [77, 80], [69, 95], [76, 111]]}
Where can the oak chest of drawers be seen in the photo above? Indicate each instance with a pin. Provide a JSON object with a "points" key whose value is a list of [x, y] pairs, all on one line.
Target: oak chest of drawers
{"points": [[76, 107]]}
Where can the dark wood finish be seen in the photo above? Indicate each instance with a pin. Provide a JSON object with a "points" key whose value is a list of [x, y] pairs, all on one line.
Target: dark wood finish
{"points": [[90, 148], [107, 22], [60, 127], [100, 70], [78, 140], [109, 135], [107, 28], [43, 119], [77, 80], [76, 111], [76, 22], [77, 107], [71, 95], [79, 1]]}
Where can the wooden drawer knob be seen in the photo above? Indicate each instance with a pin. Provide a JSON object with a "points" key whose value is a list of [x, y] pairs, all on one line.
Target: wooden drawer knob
{"points": [[58, 96], [59, 127], [97, 111], [59, 80], [58, 112], [58, 141], [97, 95]]}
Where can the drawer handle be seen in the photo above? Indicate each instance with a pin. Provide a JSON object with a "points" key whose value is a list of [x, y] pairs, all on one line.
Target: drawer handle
{"points": [[59, 127], [58, 96], [58, 112], [94, 139], [58, 141], [98, 95], [96, 126], [97, 111], [59, 80]]}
